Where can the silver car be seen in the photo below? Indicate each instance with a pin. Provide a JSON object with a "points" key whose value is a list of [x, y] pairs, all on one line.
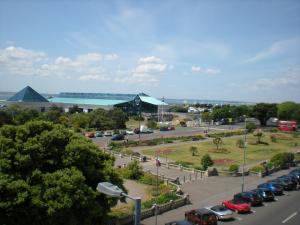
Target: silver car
{"points": [[221, 212]]}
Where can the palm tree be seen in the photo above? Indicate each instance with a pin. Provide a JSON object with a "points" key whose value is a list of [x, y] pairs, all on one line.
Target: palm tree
{"points": [[193, 150]]}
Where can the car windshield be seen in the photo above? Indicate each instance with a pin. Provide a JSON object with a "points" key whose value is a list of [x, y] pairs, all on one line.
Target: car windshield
{"points": [[219, 208]]}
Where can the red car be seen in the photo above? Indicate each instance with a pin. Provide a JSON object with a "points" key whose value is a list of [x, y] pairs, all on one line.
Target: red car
{"points": [[237, 206]]}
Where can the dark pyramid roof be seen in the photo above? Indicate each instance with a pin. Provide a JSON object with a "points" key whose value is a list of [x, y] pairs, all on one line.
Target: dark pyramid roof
{"points": [[27, 95]]}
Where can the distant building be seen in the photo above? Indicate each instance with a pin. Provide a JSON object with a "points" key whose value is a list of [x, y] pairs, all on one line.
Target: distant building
{"points": [[130, 103]]}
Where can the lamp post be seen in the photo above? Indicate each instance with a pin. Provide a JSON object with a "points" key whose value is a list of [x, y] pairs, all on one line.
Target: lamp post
{"points": [[137, 101], [244, 160], [114, 191]]}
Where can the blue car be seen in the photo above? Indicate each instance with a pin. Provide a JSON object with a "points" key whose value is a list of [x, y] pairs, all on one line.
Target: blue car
{"points": [[275, 188]]}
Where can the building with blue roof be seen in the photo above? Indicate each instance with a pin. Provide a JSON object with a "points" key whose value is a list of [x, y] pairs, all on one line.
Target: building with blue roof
{"points": [[130, 103]]}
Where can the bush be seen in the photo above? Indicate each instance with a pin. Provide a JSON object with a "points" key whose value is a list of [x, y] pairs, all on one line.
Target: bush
{"points": [[151, 124], [138, 118], [273, 138], [281, 159], [274, 130], [257, 169], [234, 168], [240, 143], [133, 171], [206, 161], [183, 163], [250, 127], [270, 165], [164, 198], [149, 179]]}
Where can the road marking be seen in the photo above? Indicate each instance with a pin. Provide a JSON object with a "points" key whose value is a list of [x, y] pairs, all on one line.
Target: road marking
{"points": [[239, 218], [276, 199], [253, 211], [290, 217]]}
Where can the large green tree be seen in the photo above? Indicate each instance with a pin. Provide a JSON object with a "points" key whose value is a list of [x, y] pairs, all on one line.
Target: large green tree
{"points": [[48, 175], [288, 111], [264, 111]]}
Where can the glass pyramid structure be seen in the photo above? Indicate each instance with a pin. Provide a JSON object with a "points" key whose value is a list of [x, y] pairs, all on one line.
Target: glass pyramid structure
{"points": [[27, 95]]}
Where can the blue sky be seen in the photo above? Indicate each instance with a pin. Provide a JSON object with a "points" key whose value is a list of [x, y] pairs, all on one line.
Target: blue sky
{"points": [[224, 50]]}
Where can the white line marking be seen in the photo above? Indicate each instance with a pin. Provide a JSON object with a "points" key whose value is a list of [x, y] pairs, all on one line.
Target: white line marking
{"points": [[253, 211], [290, 217]]}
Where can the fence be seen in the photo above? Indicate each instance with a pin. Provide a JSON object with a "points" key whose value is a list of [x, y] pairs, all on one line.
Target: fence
{"points": [[159, 209]]}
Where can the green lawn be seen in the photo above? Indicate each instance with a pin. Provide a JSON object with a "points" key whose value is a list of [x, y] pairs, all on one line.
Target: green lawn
{"points": [[231, 153]]}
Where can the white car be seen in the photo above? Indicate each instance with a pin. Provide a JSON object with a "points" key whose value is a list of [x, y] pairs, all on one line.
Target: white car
{"points": [[129, 132], [221, 212]]}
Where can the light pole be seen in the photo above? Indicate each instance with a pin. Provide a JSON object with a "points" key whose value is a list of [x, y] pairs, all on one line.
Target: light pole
{"points": [[244, 161], [137, 101], [114, 191]]}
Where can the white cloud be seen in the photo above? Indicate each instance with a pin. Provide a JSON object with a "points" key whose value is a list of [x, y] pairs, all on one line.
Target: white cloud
{"points": [[210, 71], [20, 61], [93, 77], [277, 48], [150, 59]]}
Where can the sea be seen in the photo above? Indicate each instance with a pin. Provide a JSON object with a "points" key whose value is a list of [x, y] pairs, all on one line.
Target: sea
{"points": [[5, 95]]}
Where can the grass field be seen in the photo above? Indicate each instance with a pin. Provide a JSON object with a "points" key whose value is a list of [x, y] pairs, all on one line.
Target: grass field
{"points": [[230, 153]]}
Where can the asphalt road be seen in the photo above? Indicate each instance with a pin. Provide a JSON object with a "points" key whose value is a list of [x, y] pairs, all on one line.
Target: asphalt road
{"points": [[283, 211]]}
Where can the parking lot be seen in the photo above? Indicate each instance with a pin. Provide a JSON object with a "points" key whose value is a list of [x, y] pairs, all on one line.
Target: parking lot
{"points": [[214, 190]]}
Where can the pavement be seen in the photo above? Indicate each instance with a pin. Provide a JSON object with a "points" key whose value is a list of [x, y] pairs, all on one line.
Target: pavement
{"points": [[213, 190]]}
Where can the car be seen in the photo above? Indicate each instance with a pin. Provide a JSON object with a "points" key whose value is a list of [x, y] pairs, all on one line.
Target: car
{"points": [[129, 132], [291, 183], [99, 134], [264, 194], [249, 197], [283, 184], [201, 217], [108, 133], [237, 205], [275, 188], [293, 178], [89, 134], [136, 130], [179, 222], [221, 212], [295, 173], [117, 137]]}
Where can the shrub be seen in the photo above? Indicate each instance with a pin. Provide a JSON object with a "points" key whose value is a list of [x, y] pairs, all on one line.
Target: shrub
{"points": [[198, 167], [234, 168], [274, 130], [270, 165], [217, 141], [183, 163], [250, 127], [149, 179], [240, 143], [133, 171], [152, 124], [164, 198], [281, 159], [257, 169], [273, 138], [193, 150], [138, 118], [206, 161], [127, 151]]}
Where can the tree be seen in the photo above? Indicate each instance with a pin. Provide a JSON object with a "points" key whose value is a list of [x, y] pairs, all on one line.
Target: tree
{"points": [[151, 124], [240, 143], [217, 142], [206, 161], [134, 170], [281, 159], [75, 109], [5, 118], [206, 116], [258, 134], [287, 110], [250, 127], [264, 111], [193, 150], [48, 175], [221, 113]]}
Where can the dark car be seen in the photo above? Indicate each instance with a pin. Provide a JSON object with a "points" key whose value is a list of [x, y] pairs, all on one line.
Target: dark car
{"points": [[201, 217], [136, 130], [117, 137], [286, 186], [291, 183], [179, 222], [292, 178], [249, 197], [265, 194], [295, 173], [274, 187]]}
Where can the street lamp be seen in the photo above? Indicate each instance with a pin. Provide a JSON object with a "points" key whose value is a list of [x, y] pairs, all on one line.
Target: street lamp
{"points": [[137, 101], [114, 191], [245, 146]]}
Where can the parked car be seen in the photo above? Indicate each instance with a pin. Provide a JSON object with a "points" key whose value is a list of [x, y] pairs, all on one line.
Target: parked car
{"points": [[237, 205], [108, 133], [295, 173], [275, 188], [292, 177], [89, 134], [99, 134], [264, 194], [249, 197], [291, 183], [129, 132], [117, 137], [283, 184], [136, 130], [201, 217], [221, 212], [179, 222]]}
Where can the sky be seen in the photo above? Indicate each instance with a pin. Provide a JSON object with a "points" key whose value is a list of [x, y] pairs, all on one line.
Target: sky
{"points": [[234, 50]]}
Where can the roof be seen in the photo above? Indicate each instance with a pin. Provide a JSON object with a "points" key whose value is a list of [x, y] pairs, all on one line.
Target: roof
{"points": [[203, 211], [27, 94], [151, 100], [86, 101]]}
